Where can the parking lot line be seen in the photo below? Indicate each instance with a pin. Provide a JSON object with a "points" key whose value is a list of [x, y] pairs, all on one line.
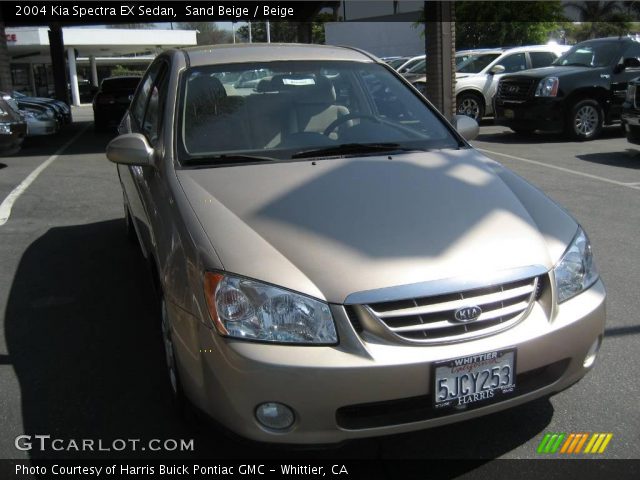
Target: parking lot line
{"points": [[7, 203], [634, 186]]}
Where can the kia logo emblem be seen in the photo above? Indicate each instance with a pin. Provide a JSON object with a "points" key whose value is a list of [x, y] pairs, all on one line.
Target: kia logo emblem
{"points": [[467, 314]]}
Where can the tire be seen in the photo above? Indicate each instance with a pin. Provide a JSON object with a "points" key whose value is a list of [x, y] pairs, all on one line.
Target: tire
{"points": [[177, 393], [471, 105], [132, 236], [585, 119]]}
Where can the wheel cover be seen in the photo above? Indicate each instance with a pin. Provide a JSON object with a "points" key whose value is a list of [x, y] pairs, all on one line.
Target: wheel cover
{"points": [[469, 107], [586, 120], [168, 349]]}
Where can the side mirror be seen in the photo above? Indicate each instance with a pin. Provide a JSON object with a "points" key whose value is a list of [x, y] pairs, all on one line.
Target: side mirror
{"points": [[466, 126], [631, 62], [130, 149], [497, 69]]}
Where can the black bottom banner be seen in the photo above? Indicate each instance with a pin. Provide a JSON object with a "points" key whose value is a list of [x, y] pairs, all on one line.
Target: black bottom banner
{"points": [[338, 469]]}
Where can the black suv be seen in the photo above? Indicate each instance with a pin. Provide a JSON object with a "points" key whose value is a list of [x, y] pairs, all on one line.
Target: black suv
{"points": [[582, 90]]}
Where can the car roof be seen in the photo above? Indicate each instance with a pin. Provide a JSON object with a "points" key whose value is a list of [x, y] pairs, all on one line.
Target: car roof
{"points": [[271, 52]]}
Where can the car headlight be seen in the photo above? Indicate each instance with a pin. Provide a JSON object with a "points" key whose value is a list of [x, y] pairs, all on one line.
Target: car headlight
{"points": [[548, 87], [631, 93], [576, 271], [251, 310]]}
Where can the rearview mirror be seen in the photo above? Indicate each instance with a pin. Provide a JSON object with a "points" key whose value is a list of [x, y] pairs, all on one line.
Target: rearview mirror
{"points": [[497, 69], [466, 126], [130, 149]]}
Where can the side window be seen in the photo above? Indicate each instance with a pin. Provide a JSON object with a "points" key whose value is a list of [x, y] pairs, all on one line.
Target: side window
{"points": [[513, 63], [541, 59], [155, 107], [139, 103]]}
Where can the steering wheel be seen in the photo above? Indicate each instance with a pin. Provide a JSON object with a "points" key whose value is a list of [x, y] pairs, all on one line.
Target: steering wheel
{"points": [[345, 118]]}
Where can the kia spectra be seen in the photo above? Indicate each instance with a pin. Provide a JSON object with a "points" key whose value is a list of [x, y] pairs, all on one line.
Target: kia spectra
{"points": [[333, 260]]}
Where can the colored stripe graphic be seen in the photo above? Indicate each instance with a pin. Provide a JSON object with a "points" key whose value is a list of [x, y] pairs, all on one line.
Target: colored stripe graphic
{"points": [[598, 443], [572, 443]]}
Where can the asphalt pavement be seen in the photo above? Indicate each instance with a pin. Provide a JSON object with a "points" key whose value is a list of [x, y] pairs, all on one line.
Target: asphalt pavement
{"points": [[81, 357]]}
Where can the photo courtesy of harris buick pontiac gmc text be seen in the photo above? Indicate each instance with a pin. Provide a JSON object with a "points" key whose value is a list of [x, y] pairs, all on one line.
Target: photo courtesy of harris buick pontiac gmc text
{"points": [[332, 259]]}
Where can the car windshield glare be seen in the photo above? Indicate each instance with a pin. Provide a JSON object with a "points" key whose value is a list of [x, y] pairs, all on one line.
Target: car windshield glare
{"points": [[280, 109], [591, 55]]}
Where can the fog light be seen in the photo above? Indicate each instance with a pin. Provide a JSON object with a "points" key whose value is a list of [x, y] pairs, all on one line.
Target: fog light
{"points": [[590, 359], [275, 415]]}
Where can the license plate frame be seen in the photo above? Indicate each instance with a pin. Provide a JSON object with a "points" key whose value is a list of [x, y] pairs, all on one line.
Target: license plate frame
{"points": [[491, 359]]}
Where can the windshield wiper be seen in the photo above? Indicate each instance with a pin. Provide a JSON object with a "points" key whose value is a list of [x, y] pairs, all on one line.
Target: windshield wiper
{"points": [[230, 158], [351, 149]]}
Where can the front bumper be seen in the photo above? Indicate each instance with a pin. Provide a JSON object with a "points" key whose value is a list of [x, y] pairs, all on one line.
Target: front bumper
{"points": [[546, 114], [365, 387]]}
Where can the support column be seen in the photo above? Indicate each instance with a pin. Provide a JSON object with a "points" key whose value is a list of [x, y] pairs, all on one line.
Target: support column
{"points": [[73, 76], [6, 84], [56, 48], [32, 80], [440, 50], [94, 71]]}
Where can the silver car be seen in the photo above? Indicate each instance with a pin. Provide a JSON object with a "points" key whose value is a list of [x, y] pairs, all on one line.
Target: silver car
{"points": [[333, 260]]}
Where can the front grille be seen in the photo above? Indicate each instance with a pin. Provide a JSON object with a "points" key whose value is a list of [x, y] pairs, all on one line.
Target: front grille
{"points": [[433, 319], [516, 89], [417, 409]]}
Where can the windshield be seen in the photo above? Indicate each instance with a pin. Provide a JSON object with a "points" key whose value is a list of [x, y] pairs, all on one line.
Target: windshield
{"points": [[591, 55], [395, 63], [420, 67], [474, 63], [284, 110]]}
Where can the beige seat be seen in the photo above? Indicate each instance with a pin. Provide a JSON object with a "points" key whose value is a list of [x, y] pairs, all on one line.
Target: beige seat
{"points": [[313, 107]]}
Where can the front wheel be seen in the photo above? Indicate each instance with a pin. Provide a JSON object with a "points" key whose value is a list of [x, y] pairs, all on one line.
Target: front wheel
{"points": [[177, 393], [585, 120], [471, 105]]}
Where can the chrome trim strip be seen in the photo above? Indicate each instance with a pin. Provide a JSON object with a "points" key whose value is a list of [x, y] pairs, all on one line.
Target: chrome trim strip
{"points": [[440, 287], [455, 304], [434, 326], [464, 336]]}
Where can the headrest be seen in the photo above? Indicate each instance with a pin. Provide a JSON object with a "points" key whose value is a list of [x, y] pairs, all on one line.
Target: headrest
{"points": [[205, 87], [266, 85]]}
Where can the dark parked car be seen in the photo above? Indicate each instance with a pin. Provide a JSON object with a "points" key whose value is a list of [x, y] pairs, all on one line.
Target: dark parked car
{"points": [[582, 91], [112, 100], [631, 113], [13, 128], [63, 111]]}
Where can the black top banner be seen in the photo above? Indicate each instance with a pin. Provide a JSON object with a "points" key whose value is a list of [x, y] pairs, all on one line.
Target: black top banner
{"points": [[78, 12]]}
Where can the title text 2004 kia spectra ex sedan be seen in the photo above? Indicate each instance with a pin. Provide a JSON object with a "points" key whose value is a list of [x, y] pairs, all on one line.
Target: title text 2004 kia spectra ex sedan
{"points": [[333, 260]]}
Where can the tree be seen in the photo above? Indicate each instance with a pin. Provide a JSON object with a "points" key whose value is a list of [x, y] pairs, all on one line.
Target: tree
{"points": [[600, 19], [493, 24], [282, 32], [208, 33]]}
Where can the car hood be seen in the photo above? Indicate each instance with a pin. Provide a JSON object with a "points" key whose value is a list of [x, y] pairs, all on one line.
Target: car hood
{"points": [[334, 227]]}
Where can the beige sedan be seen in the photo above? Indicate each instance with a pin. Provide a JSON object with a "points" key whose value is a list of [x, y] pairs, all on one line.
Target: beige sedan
{"points": [[333, 260]]}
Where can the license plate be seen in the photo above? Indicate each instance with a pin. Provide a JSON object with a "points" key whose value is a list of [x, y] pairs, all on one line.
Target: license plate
{"points": [[475, 378], [508, 113]]}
